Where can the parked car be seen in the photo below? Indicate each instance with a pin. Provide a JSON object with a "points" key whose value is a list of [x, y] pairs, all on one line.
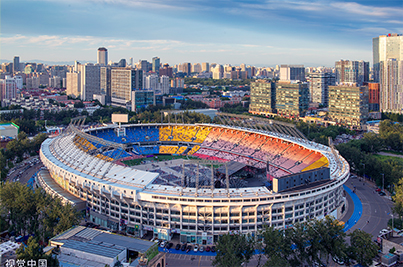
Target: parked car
{"points": [[163, 244], [183, 248], [213, 249], [382, 193], [208, 249], [169, 245], [196, 248], [178, 247], [188, 248], [338, 260], [201, 249]]}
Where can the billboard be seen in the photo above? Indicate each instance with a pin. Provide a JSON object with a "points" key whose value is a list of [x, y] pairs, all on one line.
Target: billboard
{"points": [[120, 118]]}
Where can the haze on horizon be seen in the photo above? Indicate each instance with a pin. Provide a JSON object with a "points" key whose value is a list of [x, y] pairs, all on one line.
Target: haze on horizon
{"points": [[254, 32]]}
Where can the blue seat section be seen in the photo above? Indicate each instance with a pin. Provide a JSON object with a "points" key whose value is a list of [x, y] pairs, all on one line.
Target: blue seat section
{"points": [[109, 135], [133, 134], [146, 150], [136, 134]]}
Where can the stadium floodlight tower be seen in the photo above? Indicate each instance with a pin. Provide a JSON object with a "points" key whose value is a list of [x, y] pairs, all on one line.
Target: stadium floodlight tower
{"points": [[119, 118]]}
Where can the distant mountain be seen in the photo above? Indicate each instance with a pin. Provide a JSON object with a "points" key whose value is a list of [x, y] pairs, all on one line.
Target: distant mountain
{"points": [[49, 62]]}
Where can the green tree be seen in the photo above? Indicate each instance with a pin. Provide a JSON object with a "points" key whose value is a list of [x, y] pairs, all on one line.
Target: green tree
{"points": [[277, 247], [34, 252], [398, 199], [361, 248], [233, 250]]}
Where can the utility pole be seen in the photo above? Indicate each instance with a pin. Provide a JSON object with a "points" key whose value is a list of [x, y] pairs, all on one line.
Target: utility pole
{"points": [[383, 182]]}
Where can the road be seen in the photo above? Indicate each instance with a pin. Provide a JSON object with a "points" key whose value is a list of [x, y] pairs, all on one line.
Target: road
{"points": [[377, 209]]}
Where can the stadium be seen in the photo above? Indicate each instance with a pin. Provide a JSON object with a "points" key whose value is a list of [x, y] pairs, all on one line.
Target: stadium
{"points": [[195, 182]]}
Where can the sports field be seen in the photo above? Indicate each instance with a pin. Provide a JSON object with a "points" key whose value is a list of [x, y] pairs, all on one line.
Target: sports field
{"points": [[154, 158]]}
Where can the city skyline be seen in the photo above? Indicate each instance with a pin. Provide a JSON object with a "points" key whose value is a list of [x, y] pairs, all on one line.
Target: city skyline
{"points": [[260, 33]]}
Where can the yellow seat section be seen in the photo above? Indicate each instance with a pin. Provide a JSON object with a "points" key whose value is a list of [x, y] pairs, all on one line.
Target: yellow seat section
{"points": [[181, 150], [202, 134], [168, 149], [165, 133], [193, 150], [322, 162], [86, 146]]}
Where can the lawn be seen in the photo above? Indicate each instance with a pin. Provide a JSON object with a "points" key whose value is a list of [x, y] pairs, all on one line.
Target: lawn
{"points": [[383, 158]]}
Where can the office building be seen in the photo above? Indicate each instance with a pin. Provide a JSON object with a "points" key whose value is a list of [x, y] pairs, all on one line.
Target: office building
{"points": [[102, 56], [142, 99], [122, 63], [388, 71], [348, 104], [205, 67], [8, 88], [90, 81], [319, 87], [262, 97], [156, 65], [73, 84], [123, 82], [292, 73], [16, 63], [352, 72], [292, 99], [373, 96]]}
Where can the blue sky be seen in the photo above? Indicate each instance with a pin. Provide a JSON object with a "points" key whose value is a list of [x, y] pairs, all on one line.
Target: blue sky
{"points": [[254, 32]]}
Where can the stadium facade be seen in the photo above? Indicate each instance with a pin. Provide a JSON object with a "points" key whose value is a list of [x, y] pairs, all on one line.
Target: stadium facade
{"points": [[299, 180]]}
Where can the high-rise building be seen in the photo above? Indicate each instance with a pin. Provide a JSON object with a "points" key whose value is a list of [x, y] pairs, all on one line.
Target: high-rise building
{"points": [[205, 67], [156, 65], [105, 83], [196, 67], [373, 97], [319, 87], [73, 84], [388, 71], [292, 73], [151, 81], [187, 68], [32, 82], [218, 72], [348, 104], [166, 70], [352, 72], [164, 81], [16, 63], [102, 56], [123, 82], [8, 88], [262, 97], [143, 65], [292, 99], [391, 85], [90, 81], [55, 82]]}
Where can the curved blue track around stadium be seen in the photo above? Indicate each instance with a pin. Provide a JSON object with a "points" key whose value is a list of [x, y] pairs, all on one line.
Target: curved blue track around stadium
{"points": [[357, 209]]}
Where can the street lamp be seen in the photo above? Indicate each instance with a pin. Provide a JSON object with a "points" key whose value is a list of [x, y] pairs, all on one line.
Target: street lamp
{"points": [[364, 170]]}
